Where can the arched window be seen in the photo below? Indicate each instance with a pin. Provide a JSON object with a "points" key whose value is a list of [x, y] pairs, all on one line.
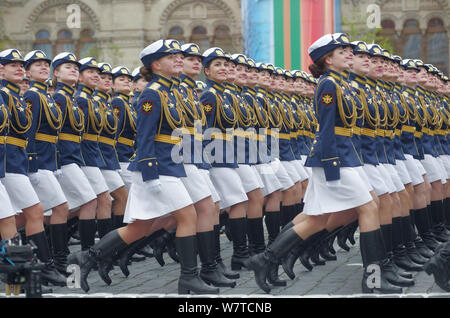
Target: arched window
{"points": [[222, 38], [177, 33], [437, 45], [199, 35], [86, 43], [42, 42], [388, 32], [65, 42], [412, 40]]}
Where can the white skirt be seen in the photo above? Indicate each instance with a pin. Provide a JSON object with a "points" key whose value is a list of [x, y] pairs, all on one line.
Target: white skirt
{"points": [[249, 177], [207, 178], [399, 186], [432, 168], [96, 179], [282, 175], [402, 171], [420, 167], [20, 191], [145, 204], [292, 171], [47, 188], [113, 180], [376, 179], [387, 178], [413, 170], [446, 162], [269, 179], [229, 186], [7, 210], [126, 175], [442, 170], [321, 198], [195, 183], [364, 177], [75, 186], [303, 162], [300, 170]]}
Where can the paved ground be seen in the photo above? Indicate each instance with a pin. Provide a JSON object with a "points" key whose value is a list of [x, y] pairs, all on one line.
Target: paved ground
{"points": [[341, 278]]}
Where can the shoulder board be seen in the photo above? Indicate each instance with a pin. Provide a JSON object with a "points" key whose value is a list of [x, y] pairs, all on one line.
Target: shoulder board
{"points": [[355, 84], [96, 98], [405, 94], [212, 90], [6, 90], [155, 86], [34, 89], [83, 95]]}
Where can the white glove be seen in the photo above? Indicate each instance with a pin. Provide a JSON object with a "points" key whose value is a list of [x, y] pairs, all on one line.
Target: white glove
{"points": [[334, 183], [58, 173], [154, 185]]}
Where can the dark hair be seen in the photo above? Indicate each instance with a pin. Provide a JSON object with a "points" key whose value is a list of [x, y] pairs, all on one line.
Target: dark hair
{"points": [[147, 73], [319, 68]]}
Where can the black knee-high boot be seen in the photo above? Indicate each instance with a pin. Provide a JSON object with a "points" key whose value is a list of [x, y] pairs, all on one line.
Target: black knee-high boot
{"points": [[374, 257], [49, 274], [386, 231], [401, 257], [118, 221], [221, 265], [411, 249], [261, 263], [437, 221], [99, 254], [439, 266], [255, 235], [58, 235], [324, 247], [421, 247], [423, 224], [272, 221], [104, 226], [189, 280], [447, 213], [342, 237], [87, 229], [238, 229], [286, 213], [126, 254], [209, 272]]}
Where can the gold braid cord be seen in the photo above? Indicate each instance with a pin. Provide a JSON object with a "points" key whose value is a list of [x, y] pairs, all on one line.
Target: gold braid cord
{"points": [[97, 125], [5, 122], [220, 113], [14, 109], [108, 128], [55, 122]]}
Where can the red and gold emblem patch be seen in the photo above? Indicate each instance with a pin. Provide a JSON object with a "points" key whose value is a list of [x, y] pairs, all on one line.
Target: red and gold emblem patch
{"points": [[208, 108], [147, 107], [29, 104], [116, 111], [327, 99]]}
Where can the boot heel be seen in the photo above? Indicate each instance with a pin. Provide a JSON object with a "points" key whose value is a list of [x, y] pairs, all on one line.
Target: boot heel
{"points": [[429, 268], [183, 291], [236, 266]]}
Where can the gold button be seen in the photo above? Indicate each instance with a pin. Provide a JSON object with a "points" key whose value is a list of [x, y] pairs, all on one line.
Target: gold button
{"points": [[335, 164], [30, 158], [315, 142], [312, 148], [156, 163], [150, 164]]}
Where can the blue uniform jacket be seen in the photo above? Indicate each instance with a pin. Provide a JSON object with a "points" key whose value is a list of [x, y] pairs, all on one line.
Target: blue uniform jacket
{"points": [[333, 147], [220, 114], [158, 117], [126, 128], [19, 126], [428, 140], [4, 128], [69, 141], [261, 123], [93, 125], [107, 140], [195, 121], [286, 151], [47, 120]]}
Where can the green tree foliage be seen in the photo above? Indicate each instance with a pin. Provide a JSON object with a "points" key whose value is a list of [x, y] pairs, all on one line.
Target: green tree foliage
{"points": [[356, 28]]}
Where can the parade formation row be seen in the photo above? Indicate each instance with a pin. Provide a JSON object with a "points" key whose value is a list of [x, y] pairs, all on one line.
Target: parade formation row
{"points": [[157, 159]]}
